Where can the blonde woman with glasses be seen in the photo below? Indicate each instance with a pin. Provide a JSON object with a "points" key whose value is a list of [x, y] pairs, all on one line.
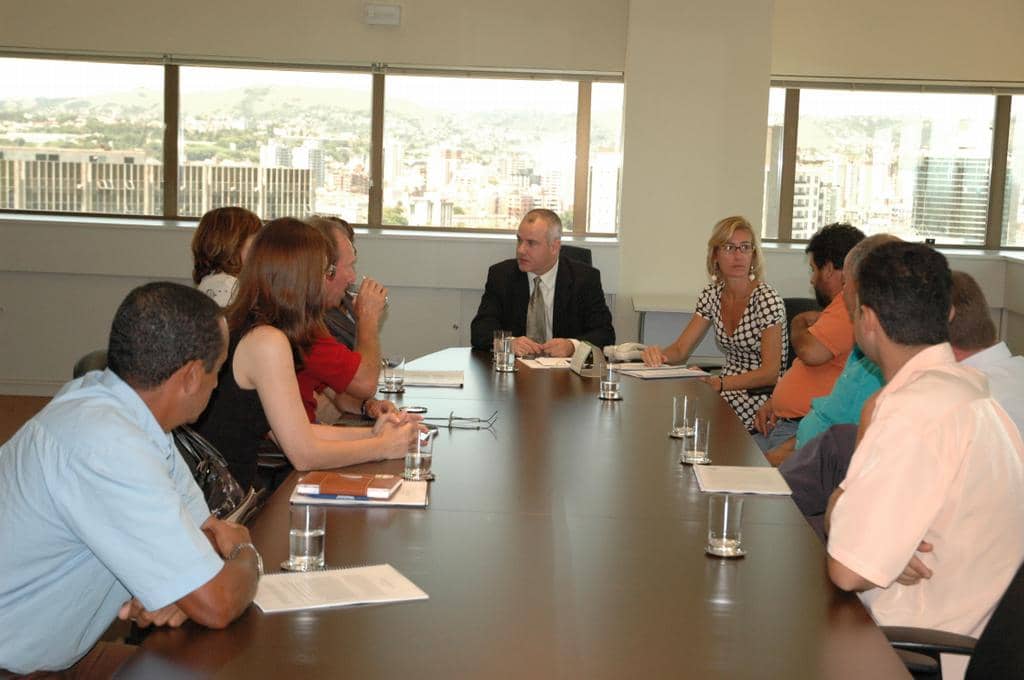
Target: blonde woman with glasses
{"points": [[748, 316]]}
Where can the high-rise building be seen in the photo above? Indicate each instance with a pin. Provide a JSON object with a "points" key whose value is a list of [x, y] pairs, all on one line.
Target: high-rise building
{"points": [[951, 198]]}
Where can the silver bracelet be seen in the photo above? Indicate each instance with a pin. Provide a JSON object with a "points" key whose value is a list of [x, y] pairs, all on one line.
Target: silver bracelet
{"points": [[259, 558]]}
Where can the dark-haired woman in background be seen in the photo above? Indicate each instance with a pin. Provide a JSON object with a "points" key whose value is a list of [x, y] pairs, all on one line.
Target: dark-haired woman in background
{"points": [[219, 247]]}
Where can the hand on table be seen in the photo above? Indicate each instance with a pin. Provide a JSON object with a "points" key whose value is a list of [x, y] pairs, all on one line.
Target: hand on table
{"points": [[653, 356], [170, 615], [396, 437], [375, 408], [558, 347], [523, 346]]}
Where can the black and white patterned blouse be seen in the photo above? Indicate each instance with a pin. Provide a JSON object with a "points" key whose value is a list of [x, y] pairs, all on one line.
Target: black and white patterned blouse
{"points": [[743, 348]]}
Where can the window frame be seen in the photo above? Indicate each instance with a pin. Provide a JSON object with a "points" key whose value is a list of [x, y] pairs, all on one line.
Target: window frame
{"points": [[1002, 95], [379, 73]]}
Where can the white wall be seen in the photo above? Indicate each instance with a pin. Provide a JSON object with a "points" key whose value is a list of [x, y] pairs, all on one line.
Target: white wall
{"points": [[696, 74]]}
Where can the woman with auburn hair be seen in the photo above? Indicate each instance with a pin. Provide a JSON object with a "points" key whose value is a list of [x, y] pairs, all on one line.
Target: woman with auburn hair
{"points": [[219, 247], [748, 315], [273, 322]]}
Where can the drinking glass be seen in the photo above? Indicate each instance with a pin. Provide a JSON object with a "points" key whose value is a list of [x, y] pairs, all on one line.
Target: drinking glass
{"points": [[419, 458], [306, 538], [697, 449], [394, 375], [499, 338], [725, 526], [505, 358], [684, 410], [609, 384]]}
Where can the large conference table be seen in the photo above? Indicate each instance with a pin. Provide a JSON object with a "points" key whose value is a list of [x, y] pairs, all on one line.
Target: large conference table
{"points": [[566, 543]]}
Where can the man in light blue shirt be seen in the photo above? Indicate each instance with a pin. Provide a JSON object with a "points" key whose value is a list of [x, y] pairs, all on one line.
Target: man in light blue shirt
{"points": [[100, 516]]}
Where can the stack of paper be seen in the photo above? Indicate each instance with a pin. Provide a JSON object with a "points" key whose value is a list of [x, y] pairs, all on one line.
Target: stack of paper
{"points": [[737, 479], [334, 588], [547, 362], [434, 378], [639, 370]]}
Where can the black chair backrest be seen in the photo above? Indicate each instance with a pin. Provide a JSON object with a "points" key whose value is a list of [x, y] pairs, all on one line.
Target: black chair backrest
{"points": [[796, 306], [1000, 649], [578, 253], [93, 361]]}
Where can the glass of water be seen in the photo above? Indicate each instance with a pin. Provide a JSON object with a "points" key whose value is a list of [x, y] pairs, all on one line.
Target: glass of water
{"points": [[306, 538], [684, 410], [505, 357], [609, 384], [725, 526], [394, 375], [498, 341], [419, 458], [697, 448]]}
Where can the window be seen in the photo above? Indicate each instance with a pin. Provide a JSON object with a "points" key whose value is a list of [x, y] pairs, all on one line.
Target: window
{"points": [[913, 164], [277, 142], [1013, 196], [604, 184], [454, 151], [79, 136], [477, 152], [773, 162]]}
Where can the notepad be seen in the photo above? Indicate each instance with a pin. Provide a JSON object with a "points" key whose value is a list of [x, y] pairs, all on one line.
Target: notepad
{"points": [[351, 485], [737, 479], [411, 494], [287, 592], [546, 362]]}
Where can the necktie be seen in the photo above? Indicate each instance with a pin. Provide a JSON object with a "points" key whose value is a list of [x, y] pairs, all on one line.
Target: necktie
{"points": [[536, 316]]}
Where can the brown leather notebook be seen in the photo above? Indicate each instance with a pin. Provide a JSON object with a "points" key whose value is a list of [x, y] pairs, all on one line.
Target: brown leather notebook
{"points": [[322, 483]]}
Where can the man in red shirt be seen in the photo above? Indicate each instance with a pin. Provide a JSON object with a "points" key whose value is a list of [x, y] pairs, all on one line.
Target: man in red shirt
{"points": [[822, 340], [351, 375]]}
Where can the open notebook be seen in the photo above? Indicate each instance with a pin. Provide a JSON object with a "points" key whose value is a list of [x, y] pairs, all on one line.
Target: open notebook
{"points": [[377, 584]]}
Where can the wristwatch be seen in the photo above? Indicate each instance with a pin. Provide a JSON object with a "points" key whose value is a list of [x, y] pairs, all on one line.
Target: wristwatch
{"points": [[241, 546]]}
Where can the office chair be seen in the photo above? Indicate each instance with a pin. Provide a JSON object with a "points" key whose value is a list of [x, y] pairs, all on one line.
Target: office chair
{"points": [[998, 653], [796, 306], [579, 254]]}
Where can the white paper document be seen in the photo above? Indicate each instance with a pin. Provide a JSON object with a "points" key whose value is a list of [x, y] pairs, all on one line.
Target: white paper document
{"points": [[546, 362], [433, 378], [738, 479], [412, 494], [639, 370], [288, 592]]}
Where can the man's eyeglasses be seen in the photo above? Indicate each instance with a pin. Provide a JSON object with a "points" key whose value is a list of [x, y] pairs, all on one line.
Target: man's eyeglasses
{"points": [[745, 248], [331, 272]]}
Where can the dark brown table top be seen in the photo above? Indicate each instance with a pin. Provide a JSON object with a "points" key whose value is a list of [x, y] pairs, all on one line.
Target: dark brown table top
{"points": [[568, 542]]}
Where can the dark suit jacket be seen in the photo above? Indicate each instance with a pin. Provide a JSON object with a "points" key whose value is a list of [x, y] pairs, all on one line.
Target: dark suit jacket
{"points": [[579, 309]]}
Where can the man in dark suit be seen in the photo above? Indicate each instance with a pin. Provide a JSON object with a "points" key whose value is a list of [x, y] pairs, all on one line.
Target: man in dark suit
{"points": [[549, 303]]}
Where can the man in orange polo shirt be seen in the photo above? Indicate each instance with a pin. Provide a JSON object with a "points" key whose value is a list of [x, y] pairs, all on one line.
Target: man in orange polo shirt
{"points": [[822, 340]]}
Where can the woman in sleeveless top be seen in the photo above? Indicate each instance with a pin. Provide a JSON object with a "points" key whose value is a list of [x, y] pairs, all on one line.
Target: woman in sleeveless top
{"points": [[274, 320], [748, 316]]}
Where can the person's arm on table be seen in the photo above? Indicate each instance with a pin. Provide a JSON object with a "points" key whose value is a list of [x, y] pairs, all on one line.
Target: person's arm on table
{"points": [[369, 309], [680, 349], [222, 599], [263, 361], [368, 408]]}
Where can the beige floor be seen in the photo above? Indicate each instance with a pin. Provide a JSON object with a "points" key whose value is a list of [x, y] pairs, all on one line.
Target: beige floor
{"points": [[15, 410]]}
